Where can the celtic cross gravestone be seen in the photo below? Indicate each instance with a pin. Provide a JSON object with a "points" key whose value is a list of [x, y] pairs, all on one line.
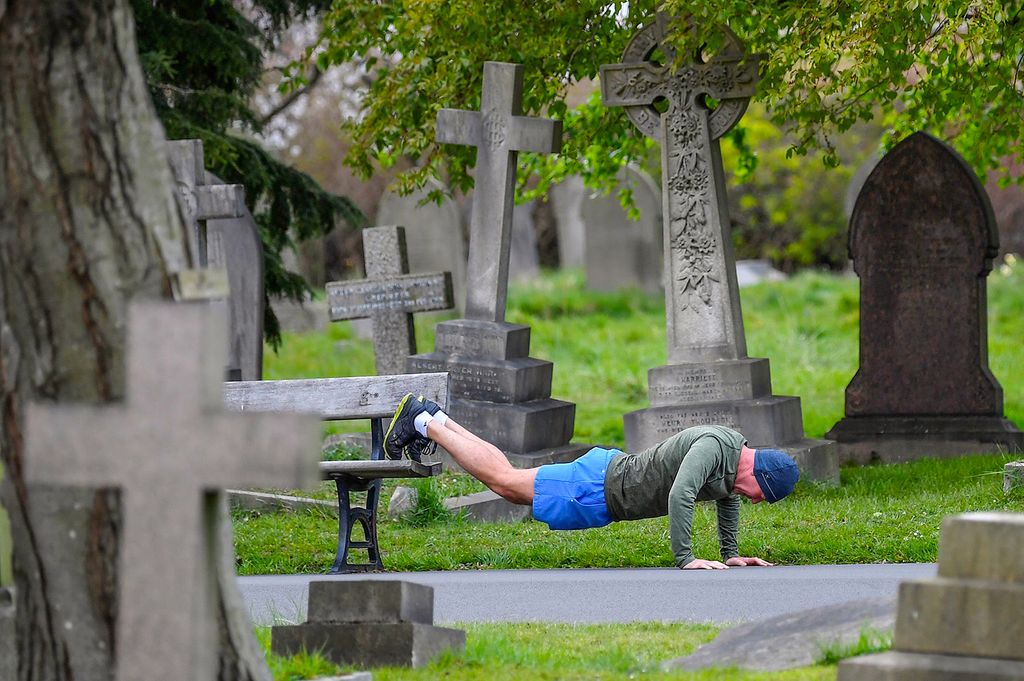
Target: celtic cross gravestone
{"points": [[389, 295], [169, 449], [709, 378], [498, 391]]}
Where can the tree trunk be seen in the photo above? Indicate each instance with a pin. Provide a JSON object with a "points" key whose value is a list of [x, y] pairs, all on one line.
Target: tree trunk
{"points": [[88, 220]]}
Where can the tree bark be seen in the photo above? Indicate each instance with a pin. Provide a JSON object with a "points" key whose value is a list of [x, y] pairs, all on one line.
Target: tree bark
{"points": [[88, 220]]}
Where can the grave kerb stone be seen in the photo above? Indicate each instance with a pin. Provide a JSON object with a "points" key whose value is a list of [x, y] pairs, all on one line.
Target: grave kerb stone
{"points": [[167, 449], [389, 296], [499, 132]]}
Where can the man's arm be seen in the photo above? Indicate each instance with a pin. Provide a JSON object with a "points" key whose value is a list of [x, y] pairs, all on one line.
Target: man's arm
{"points": [[692, 474], [728, 510]]}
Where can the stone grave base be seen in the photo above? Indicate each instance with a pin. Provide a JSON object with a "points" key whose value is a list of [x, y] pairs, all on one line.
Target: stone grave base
{"points": [[518, 428], [892, 439], [406, 644], [488, 507], [900, 666], [1013, 476], [773, 421]]}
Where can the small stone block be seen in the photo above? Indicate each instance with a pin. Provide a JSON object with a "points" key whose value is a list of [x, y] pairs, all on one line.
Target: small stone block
{"points": [[372, 601], [482, 339], [987, 546], [944, 616], [1013, 476], [902, 666], [371, 645]]}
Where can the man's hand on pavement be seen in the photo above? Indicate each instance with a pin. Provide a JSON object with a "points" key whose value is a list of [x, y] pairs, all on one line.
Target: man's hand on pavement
{"points": [[698, 564], [739, 561]]}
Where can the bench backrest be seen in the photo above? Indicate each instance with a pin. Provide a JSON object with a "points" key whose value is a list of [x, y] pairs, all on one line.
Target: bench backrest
{"points": [[336, 399]]}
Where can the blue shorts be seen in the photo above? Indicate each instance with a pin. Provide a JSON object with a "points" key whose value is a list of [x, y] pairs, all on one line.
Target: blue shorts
{"points": [[570, 496]]}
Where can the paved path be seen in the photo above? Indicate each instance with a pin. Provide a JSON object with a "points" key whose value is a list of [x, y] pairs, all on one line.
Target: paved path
{"points": [[610, 595]]}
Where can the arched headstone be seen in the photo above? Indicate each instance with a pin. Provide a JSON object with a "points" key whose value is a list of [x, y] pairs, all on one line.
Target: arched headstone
{"points": [[922, 239], [433, 233], [620, 252]]}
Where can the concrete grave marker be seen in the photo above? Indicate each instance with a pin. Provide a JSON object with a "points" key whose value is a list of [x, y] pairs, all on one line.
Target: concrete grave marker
{"points": [[169, 448], [620, 252], [965, 623], [371, 623], [566, 199], [389, 295], [498, 391], [922, 239], [433, 233], [234, 244], [709, 378]]}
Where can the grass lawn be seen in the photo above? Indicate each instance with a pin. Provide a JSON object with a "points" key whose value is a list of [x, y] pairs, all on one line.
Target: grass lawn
{"points": [[808, 326], [534, 651]]}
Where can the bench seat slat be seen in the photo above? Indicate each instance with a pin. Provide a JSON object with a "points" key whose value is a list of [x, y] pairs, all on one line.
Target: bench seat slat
{"points": [[335, 399], [372, 470]]}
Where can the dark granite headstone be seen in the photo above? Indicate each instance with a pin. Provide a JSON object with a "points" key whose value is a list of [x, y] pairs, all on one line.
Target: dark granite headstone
{"points": [[708, 379], [922, 239], [498, 391]]}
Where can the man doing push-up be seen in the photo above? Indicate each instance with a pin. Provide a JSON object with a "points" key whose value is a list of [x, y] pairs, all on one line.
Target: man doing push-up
{"points": [[703, 463]]}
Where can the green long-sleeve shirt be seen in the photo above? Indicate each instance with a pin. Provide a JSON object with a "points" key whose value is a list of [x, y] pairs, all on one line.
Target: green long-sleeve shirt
{"points": [[698, 464]]}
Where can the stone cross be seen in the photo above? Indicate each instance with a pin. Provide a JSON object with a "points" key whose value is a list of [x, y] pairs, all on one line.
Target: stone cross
{"points": [[169, 448], [702, 300], [389, 296], [200, 201], [499, 132]]}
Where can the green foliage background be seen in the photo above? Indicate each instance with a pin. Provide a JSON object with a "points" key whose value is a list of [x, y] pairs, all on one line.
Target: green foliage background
{"points": [[203, 59]]}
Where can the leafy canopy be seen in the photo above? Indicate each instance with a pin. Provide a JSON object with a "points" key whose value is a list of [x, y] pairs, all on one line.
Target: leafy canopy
{"points": [[203, 59], [948, 66]]}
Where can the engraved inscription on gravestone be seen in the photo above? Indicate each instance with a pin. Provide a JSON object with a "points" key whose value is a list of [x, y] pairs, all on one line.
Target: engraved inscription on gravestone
{"points": [[922, 239], [169, 448], [709, 377]]}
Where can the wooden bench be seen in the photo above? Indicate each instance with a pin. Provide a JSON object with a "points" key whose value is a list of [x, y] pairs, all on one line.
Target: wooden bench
{"points": [[342, 399]]}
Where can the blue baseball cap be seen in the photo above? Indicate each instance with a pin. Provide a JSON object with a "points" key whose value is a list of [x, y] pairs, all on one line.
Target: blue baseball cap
{"points": [[776, 473]]}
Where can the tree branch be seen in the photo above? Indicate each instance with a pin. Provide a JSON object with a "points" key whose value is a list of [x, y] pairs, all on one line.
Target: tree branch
{"points": [[293, 97]]}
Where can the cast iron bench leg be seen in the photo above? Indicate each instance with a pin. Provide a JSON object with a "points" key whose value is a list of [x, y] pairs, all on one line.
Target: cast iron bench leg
{"points": [[366, 516]]}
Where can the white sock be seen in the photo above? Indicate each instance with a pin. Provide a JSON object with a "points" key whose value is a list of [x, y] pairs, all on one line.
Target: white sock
{"points": [[441, 418], [421, 423]]}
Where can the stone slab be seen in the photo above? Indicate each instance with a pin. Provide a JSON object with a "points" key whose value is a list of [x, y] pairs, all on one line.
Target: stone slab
{"points": [[263, 501], [376, 645], [482, 339], [310, 315], [1013, 476], [900, 666], [985, 545], [894, 439], [790, 640], [765, 421], [371, 601], [738, 379], [354, 676], [961, 617], [8, 651], [818, 460], [488, 507], [518, 428], [505, 381]]}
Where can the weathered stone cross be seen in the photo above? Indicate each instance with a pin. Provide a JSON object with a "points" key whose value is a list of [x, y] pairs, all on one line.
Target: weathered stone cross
{"points": [[201, 201], [499, 132], [168, 449], [389, 295], [702, 299]]}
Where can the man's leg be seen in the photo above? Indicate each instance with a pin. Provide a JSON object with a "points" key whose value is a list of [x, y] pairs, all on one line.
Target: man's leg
{"points": [[484, 461]]}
